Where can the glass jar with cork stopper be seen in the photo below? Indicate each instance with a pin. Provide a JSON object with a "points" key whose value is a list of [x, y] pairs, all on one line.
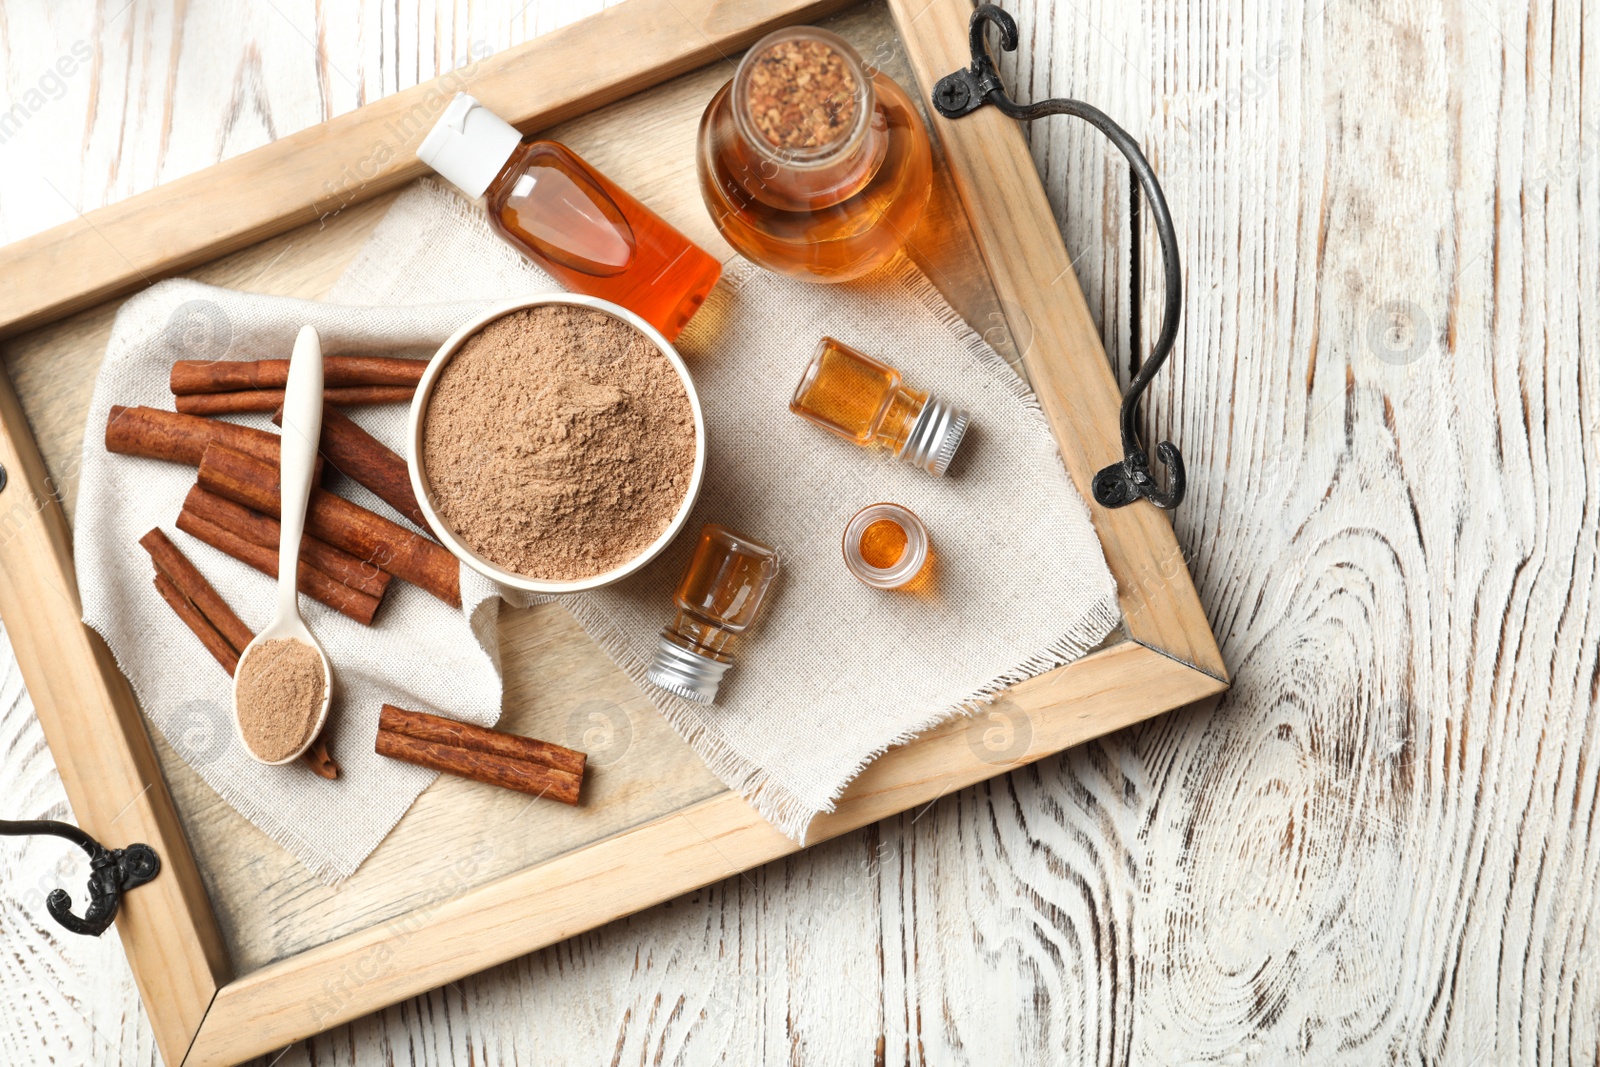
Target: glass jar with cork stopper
{"points": [[811, 164]]}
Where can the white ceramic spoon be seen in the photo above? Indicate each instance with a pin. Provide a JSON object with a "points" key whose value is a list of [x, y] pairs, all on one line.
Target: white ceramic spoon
{"points": [[302, 428]]}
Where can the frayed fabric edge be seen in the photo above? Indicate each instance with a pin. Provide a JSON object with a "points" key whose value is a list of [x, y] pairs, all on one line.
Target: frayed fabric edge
{"points": [[791, 814], [329, 874]]}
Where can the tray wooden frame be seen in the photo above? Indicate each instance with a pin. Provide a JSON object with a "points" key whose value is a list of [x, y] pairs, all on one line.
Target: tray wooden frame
{"points": [[1166, 656]]}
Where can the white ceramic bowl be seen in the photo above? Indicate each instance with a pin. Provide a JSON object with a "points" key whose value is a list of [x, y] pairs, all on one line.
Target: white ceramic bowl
{"points": [[419, 478]]}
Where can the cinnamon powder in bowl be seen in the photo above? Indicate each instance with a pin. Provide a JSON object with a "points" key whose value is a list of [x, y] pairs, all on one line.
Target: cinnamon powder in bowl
{"points": [[556, 444]]}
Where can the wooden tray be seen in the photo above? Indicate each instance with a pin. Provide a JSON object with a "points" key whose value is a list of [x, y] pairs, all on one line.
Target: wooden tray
{"points": [[236, 949]]}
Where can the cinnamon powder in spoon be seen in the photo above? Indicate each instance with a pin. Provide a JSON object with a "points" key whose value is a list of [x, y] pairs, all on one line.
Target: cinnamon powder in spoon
{"points": [[558, 442], [279, 695]]}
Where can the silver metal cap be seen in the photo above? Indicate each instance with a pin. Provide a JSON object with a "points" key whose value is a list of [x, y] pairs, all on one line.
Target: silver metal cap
{"points": [[688, 674], [935, 437]]}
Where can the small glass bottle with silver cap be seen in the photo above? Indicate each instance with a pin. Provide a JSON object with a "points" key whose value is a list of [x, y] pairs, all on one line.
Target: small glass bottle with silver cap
{"points": [[721, 594], [865, 401]]}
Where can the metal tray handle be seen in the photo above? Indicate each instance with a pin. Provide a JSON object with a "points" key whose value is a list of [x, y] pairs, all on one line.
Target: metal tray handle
{"points": [[963, 92], [112, 872]]}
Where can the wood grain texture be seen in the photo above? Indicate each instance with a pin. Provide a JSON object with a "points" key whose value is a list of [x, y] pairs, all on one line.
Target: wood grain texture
{"points": [[1032, 274], [367, 152], [660, 859], [1380, 847], [116, 787], [67, 999]]}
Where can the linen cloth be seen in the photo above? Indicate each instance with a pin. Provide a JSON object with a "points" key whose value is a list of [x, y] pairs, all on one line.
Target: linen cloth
{"points": [[833, 675], [420, 653]]}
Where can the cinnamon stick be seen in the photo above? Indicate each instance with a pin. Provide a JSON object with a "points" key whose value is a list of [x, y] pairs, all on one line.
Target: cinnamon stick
{"points": [[536, 779], [349, 602], [268, 400], [192, 586], [425, 727], [180, 438], [226, 376], [360, 456], [320, 760], [262, 530], [388, 545], [225, 652]]}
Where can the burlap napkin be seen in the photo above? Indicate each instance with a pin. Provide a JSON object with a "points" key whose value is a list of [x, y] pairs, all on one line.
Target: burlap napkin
{"points": [[835, 674]]}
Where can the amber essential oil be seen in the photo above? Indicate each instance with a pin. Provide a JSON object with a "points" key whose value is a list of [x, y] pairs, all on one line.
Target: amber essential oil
{"points": [[810, 164], [886, 546], [866, 401], [570, 219], [722, 592]]}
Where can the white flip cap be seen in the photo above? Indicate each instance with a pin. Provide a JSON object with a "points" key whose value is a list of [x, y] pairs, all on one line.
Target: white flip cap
{"points": [[468, 145]]}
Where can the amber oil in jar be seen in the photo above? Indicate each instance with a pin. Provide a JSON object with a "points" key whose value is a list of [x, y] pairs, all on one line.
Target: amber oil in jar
{"points": [[886, 546], [811, 164], [866, 401], [721, 594]]}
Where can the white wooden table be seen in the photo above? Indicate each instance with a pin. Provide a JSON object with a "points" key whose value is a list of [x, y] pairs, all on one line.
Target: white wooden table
{"points": [[1382, 846]]}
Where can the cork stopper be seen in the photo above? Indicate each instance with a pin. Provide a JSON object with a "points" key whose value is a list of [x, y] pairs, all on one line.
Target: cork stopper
{"points": [[802, 95]]}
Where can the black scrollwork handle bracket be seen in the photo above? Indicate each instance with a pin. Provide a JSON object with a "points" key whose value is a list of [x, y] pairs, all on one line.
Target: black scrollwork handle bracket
{"points": [[965, 91], [112, 872]]}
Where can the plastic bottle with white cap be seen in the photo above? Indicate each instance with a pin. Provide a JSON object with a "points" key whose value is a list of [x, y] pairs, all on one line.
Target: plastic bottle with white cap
{"points": [[570, 219]]}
